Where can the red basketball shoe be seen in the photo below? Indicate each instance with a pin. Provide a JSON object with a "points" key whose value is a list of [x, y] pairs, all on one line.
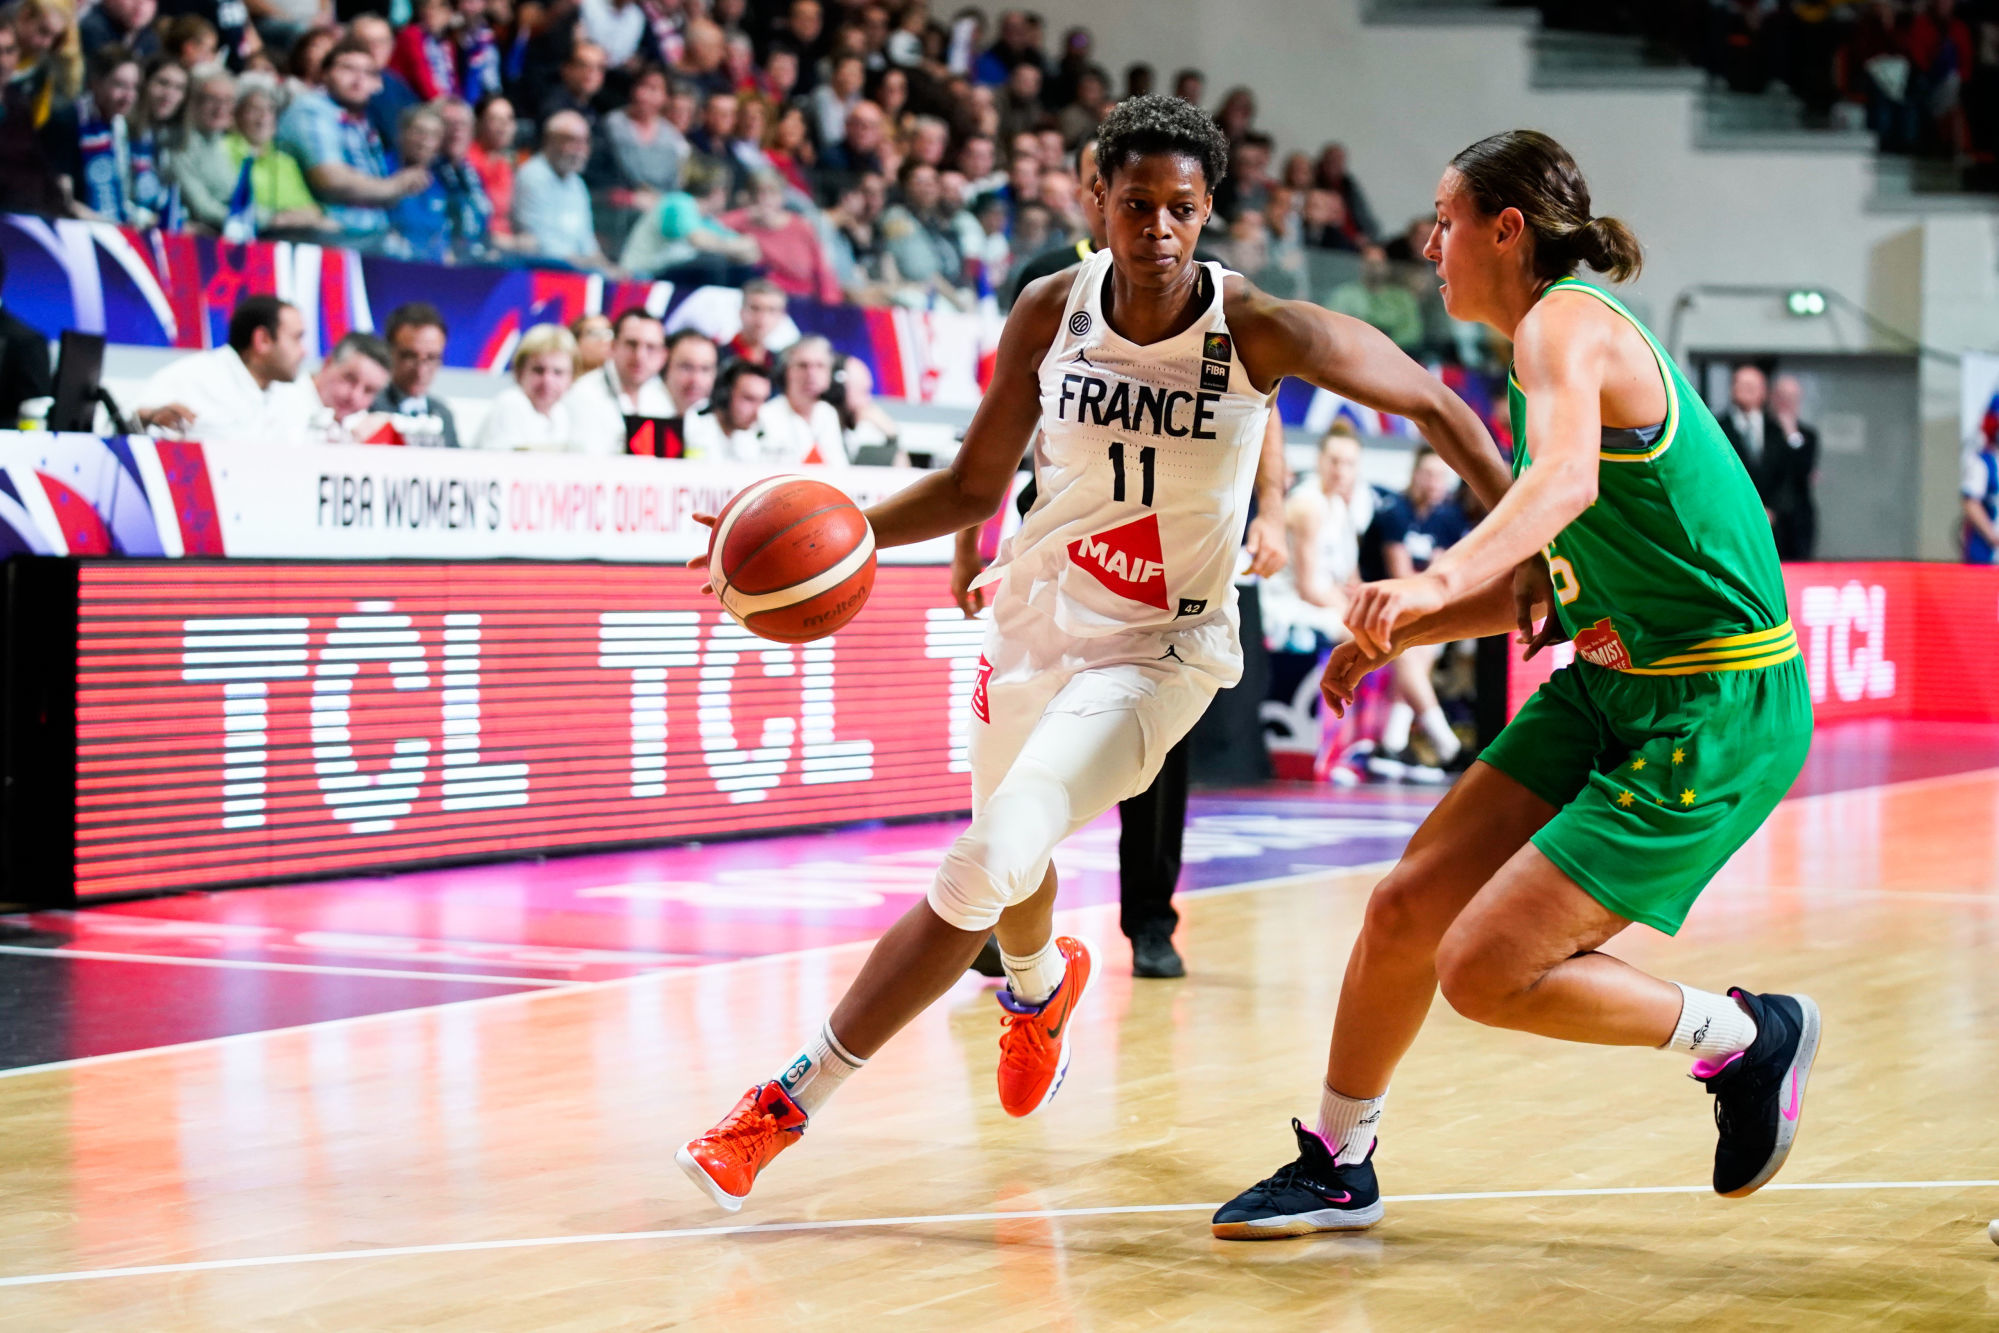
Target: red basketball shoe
{"points": [[1034, 1041], [724, 1162]]}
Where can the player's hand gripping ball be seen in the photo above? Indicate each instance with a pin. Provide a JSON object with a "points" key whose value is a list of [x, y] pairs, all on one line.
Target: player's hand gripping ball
{"points": [[791, 559]]}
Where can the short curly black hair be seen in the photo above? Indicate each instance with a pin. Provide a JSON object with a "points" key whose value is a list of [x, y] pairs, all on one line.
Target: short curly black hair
{"points": [[1154, 124]]}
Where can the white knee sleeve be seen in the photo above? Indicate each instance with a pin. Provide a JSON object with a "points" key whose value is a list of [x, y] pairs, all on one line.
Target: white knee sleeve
{"points": [[1003, 856], [1073, 767]]}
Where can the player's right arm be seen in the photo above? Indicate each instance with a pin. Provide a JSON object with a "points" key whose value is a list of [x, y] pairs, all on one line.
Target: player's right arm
{"points": [[973, 488], [1485, 611], [1357, 361]]}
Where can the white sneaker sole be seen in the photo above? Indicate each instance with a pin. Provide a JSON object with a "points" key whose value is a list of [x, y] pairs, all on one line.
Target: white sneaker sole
{"points": [[1301, 1224], [722, 1198], [1799, 1074]]}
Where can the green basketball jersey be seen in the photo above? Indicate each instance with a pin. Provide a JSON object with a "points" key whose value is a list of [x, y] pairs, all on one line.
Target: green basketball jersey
{"points": [[1672, 571]]}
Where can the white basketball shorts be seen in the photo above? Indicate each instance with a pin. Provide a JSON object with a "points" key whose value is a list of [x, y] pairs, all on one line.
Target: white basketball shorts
{"points": [[1063, 728]]}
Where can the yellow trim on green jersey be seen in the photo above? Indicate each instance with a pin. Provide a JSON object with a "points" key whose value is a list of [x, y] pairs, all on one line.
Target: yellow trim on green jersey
{"points": [[1738, 640], [1736, 652], [1672, 426]]}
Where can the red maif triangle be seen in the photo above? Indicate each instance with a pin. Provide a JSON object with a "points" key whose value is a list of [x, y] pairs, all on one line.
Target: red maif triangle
{"points": [[1127, 560], [646, 441]]}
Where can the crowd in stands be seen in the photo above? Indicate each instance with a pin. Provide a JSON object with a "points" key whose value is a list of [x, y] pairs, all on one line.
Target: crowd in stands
{"points": [[1922, 75], [856, 150]]}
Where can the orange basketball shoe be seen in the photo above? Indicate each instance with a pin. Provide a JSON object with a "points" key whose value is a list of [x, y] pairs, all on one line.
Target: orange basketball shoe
{"points": [[725, 1161], [1034, 1040]]}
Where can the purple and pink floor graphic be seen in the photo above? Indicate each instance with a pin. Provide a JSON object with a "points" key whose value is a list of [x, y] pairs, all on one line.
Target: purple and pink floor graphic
{"points": [[153, 972]]}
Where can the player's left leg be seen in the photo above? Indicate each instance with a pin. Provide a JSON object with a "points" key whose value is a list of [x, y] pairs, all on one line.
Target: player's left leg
{"points": [[1524, 955], [997, 876]]}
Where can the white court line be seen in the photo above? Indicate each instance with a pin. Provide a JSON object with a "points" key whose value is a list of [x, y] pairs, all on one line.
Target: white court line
{"points": [[539, 992], [259, 965], [932, 1219]]}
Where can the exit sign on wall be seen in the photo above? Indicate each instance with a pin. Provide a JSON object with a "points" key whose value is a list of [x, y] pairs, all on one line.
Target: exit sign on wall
{"points": [[240, 721]]}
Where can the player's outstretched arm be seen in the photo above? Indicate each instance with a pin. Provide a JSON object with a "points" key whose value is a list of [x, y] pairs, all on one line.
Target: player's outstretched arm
{"points": [[1357, 361], [972, 489], [1559, 355], [1484, 611]]}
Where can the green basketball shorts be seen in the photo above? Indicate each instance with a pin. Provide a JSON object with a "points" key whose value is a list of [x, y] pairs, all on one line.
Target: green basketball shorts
{"points": [[1656, 780]]}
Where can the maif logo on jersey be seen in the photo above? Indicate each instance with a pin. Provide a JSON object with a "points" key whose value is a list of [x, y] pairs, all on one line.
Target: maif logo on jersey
{"points": [[1127, 560]]}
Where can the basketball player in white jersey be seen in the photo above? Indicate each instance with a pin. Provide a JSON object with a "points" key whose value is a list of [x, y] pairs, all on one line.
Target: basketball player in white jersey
{"points": [[1151, 379]]}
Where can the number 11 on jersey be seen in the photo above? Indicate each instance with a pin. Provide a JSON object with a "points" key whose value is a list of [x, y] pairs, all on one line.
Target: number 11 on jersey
{"points": [[1147, 454]]}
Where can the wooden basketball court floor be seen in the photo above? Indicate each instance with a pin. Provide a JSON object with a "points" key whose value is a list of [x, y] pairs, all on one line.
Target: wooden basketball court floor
{"points": [[505, 1162]]}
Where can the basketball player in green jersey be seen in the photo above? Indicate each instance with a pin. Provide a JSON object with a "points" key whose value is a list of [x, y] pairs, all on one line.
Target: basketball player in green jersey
{"points": [[1630, 777]]}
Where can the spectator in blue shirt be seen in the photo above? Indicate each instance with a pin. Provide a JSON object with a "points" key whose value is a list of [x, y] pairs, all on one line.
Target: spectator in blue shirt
{"points": [[1016, 46], [467, 204], [551, 202], [420, 224], [1980, 493], [393, 94], [88, 144], [327, 130], [126, 23]]}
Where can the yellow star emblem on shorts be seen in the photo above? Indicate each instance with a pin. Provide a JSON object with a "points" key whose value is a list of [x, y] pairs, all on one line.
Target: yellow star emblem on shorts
{"points": [[1637, 765], [1679, 756], [1687, 796], [1624, 798]]}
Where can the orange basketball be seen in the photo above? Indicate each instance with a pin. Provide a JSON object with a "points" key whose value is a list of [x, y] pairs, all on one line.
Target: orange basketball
{"points": [[792, 559]]}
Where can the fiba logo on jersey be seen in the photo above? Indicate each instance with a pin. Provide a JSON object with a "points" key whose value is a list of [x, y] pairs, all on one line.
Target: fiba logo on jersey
{"points": [[1214, 376], [1215, 347], [1079, 323]]}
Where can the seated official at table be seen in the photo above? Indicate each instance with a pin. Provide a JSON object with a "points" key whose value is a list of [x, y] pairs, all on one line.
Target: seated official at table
{"points": [[347, 384], [246, 391], [691, 360], [802, 427], [628, 384], [416, 353], [529, 414], [728, 428]]}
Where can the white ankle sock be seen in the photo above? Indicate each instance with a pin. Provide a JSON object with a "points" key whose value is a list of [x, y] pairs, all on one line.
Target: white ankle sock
{"points": [[1348, 1124], [1034, 978], [1438, 729], [1395, 732], [817, 1071], [1711, 1027]]}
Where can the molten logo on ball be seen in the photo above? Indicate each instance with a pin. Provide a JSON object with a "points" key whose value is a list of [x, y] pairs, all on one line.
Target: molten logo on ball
{"points": [[792, 559]]}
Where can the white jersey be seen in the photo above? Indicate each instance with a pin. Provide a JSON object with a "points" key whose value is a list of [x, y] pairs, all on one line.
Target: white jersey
{"points": [[1143, 470]]}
